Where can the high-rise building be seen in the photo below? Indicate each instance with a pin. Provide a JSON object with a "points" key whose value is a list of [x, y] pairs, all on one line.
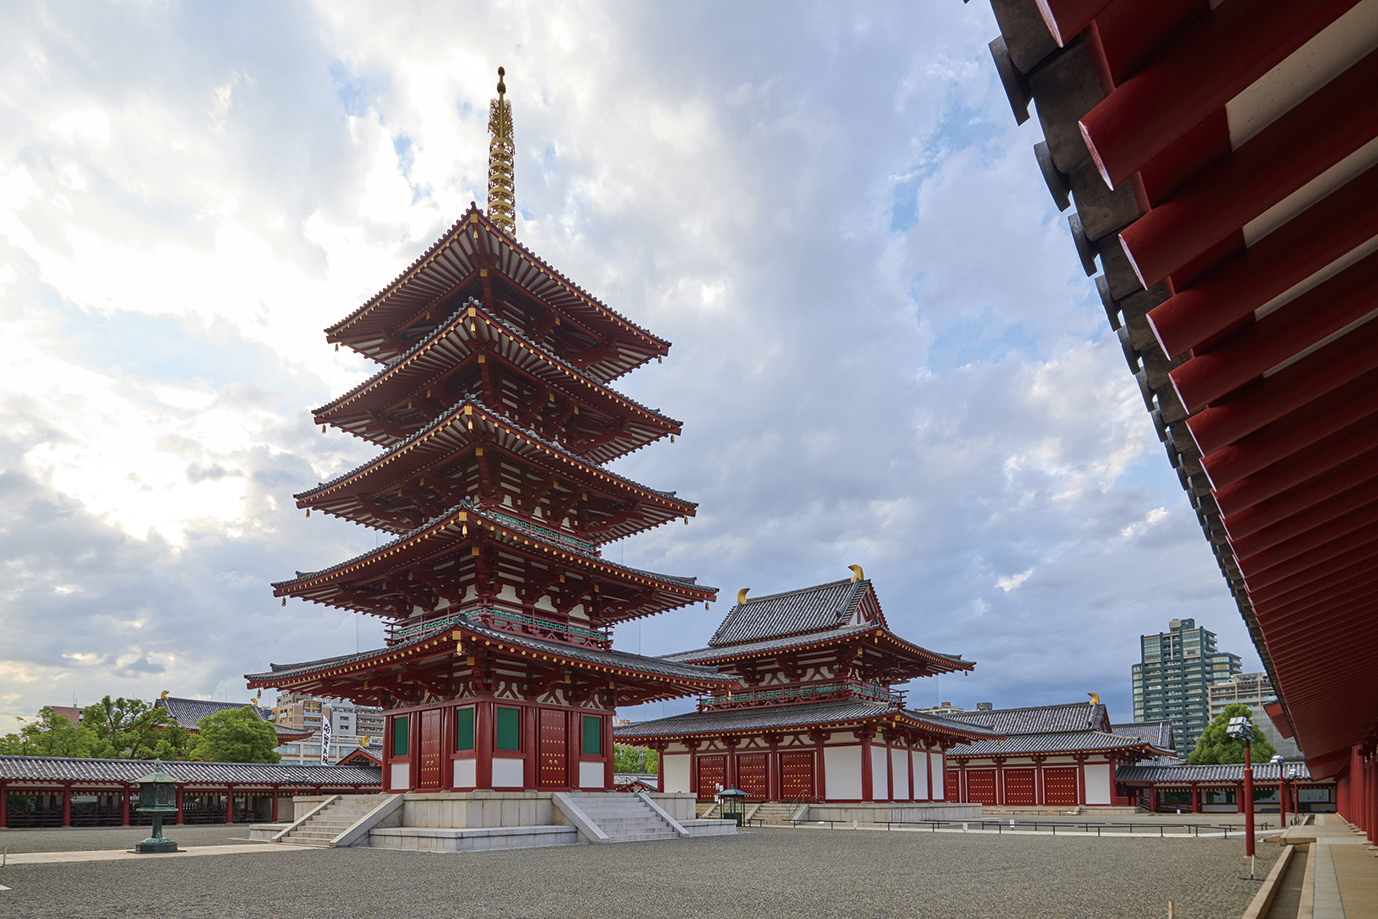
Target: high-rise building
{"points": [[1254, 690], [1172, 680]]}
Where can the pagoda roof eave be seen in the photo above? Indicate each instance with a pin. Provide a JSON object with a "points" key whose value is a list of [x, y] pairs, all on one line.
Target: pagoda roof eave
{"points": [[1058, 742], [615, 663], [456, 326], [819, 716], [935, 662], [480, 412], [474, 217], [451, 524]]}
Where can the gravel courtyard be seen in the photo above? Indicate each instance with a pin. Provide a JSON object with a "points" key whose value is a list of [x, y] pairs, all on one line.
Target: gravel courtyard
{"points": [[760, 873]]}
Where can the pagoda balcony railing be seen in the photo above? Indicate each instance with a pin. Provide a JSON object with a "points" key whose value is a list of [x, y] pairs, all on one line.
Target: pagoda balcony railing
{"points": [[546, 533], [799, 693], [506, 621]]}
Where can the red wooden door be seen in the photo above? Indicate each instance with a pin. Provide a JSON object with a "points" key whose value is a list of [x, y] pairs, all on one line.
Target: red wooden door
{"points": [[1060, 785], [752, 777], [428, 768], [712, 773], [981, 786], [796, 775], [1019, 786], [952, 786], [552, 754]]}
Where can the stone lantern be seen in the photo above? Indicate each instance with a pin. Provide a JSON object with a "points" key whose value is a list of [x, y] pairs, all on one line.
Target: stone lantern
{"points": [[733, 804], [157, 796]]}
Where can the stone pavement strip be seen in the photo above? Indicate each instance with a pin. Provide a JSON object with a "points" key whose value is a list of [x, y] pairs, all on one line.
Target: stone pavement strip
{"points": [[105, 855]]}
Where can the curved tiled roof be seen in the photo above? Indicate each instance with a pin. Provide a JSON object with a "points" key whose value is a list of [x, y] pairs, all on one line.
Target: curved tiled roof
{"points": [[1057, 742], [748, 720], [809, 609], [656, 666], [67, 769], [1158, 733], [189, 712], [1038, 719], [1225, 773]]}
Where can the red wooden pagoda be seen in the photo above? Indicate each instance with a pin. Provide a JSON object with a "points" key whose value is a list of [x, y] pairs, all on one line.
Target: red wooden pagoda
{"points": [[817, 717], [495, 419]]}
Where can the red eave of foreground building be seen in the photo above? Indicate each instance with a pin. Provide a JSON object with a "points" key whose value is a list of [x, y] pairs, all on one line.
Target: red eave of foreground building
{"points": [[1221, 161]]}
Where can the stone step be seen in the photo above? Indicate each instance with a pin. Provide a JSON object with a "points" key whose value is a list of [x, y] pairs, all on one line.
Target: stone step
{"points": [[642, 837]]}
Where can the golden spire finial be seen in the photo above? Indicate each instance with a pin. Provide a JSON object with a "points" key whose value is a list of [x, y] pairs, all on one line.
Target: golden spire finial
{"points": [[502, 201]]}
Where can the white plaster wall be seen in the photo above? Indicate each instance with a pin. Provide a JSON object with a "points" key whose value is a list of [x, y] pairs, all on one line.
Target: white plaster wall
{"points": [[900, 770], [920, 775], [398, 777], [842, 772], [507, 773], [937, 760], [676, 772], [466, 773], [1098, 783], [880, 774], [590, 775]]}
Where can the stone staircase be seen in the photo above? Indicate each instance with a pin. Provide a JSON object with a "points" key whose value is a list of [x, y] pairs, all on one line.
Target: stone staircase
{"points": [[774, 813], [624, 817], [322, 827]]}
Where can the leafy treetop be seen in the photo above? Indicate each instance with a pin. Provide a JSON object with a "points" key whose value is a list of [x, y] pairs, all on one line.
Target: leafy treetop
{"points": [[1216, 746]]}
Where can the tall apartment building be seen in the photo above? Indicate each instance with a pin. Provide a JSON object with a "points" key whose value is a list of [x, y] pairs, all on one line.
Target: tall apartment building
{"points": [[1172, 680]]}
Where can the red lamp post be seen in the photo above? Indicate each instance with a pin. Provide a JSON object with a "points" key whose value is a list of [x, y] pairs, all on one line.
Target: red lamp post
{"points": [[1242, 728]]}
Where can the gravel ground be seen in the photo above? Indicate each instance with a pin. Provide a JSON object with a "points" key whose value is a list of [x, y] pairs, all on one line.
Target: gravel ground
{"points": [[757, 874], [87, 839]]}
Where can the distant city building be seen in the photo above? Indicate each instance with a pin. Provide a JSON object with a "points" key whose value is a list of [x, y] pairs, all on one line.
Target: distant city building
{"points": [[1173, 679], [351, 726], [1254, 690], [946, 707]]}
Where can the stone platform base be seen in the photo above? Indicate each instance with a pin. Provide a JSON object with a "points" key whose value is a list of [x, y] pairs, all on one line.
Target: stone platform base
{"points": [[904, 812], [1077, 810]]}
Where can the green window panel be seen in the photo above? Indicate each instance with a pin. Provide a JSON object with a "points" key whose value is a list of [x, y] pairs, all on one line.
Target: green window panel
{"points": [[509, 733], [464, 729], [593, 735], [399, 736]]}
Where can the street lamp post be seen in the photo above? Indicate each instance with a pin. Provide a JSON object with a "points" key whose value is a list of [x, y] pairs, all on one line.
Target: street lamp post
{"points": [[1242, 728]]}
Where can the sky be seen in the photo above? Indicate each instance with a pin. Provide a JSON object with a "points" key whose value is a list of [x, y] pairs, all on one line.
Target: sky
{"points": [[885, 351]]}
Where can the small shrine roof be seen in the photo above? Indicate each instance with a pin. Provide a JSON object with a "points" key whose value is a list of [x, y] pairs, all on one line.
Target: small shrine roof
{"points": [[653, 666], [189, 712], [748, 720], [809, 609], [1224, 773], [1038, 719], [69, 769], [1084, 741], [939, 662], [1157, 733]]}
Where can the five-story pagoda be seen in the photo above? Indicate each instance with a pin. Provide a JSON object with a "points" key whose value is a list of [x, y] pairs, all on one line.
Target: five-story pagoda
{"points": [[495, 418]]}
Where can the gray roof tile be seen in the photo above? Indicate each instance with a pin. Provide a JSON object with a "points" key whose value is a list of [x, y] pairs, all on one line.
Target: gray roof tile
{"points": [[1057, 742], [1158, 733], [1227, 773], [189, 712], [1039, 719], [747, 720], [809, 609], [61, 769]]}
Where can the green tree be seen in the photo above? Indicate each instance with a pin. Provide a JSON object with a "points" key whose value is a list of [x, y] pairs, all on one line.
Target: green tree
{"points": [[50, 735], [1216, 746], [235, 735], [132, 729], [629, 759]]}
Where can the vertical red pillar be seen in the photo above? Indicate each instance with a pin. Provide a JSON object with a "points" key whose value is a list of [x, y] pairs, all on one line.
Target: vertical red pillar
{"points": [[483, 745], [229, 804], [4, 807], [1040, 793], [274, 816], [124, 806], [1195, 799], [773, 770], [1000, 781], [820, 773], [928, 764], [889, 769], [867, 792], [609, 751], [1248, 800], [660, 766], [67, 804]]}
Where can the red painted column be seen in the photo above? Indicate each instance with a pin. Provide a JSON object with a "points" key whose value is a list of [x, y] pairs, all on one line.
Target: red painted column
{"points": [[1195, 799], [608, 750], [483, 745], [124, 807], [867, 792], [820, 774], [4, 807], [773, 776], [928, 764], [177, 817], [1040, 794], [1081, 779], [912, 784], [67, 804], [1000, 781], [660, 766], [229, 804], [274, 817]]}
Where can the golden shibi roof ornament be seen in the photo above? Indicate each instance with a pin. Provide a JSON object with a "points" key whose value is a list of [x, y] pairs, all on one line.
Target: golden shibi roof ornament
{"points": [[502, 206]]}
